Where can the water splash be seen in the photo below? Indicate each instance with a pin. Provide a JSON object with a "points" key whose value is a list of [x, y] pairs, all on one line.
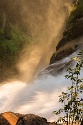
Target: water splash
{"points": [[40, 97]]}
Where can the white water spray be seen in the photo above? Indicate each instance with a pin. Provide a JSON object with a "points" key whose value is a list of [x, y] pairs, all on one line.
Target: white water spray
{"points": [[39, 97]]}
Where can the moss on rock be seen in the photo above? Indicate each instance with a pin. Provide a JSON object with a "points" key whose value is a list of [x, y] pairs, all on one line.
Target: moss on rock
{"points": [[75, 14]]}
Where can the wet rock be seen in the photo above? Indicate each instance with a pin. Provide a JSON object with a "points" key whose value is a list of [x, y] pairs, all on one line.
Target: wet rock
{"points": [[77, 29], [67, 44], [52, 58], [62, 42], [55, 69], [71, 34]]}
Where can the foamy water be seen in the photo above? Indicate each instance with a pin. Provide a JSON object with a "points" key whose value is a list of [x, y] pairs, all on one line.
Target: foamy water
{"points": [[39, 97]]}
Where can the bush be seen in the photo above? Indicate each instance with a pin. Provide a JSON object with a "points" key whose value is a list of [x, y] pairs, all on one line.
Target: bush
{"points": [[73, 103], [11, 43]]}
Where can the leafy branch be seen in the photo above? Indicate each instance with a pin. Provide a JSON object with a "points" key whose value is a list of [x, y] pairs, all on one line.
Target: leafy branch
{"points": [[72, 101]]}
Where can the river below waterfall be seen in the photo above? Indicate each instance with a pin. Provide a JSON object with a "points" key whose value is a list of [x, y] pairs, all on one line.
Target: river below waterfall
{"points": [[39, 97]]}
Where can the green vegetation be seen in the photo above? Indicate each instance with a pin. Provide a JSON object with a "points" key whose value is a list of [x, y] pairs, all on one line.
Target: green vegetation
{"points": [[76, 14], [72, 99], [11, 43]]}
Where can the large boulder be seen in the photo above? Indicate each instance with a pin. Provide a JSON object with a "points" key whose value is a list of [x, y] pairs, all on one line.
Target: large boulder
{"points": [[31, 119], [3, 121], [10, 118]]}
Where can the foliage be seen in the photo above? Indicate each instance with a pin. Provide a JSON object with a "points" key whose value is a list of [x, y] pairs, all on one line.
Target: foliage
{"points": [[72, 100], [7, 31], [11, 43], [75, 14], [2, 19]]}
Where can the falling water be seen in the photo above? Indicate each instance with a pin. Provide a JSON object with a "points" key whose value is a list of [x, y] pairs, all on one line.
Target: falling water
{"points": [[47, 21]]}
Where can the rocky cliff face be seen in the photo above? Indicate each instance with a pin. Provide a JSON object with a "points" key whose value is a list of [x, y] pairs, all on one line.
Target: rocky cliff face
{"points": [[72, 39]]}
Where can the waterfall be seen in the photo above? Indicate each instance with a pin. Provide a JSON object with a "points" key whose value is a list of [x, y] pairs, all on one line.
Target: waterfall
{"points": [[41, 95], [47, 21]]}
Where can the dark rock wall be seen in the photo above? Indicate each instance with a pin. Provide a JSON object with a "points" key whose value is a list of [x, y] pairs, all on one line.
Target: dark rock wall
{"points": [[74, 31], [70, 35]]}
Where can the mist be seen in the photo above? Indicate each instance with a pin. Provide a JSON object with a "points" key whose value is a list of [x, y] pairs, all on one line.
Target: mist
{"points": [[45, 22]]}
